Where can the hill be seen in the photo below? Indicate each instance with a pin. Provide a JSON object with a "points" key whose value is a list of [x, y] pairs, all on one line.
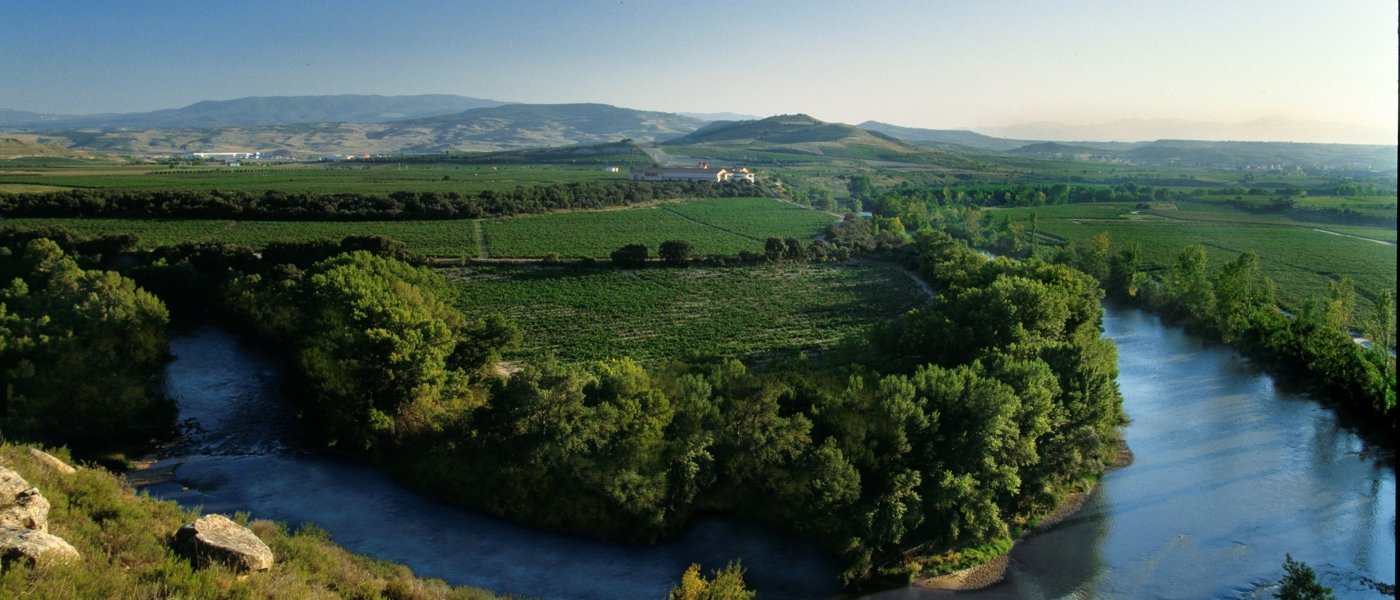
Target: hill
{"points": [[801, 138], [257, 111], [488, 129], [542, 125], [944, 138], [1223, 155], [623, 153], [14, 147]]}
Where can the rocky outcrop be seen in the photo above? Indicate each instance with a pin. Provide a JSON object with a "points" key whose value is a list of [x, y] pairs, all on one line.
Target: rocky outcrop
{"points": [[25, 510], [216, 538], [52, 461], [24, 524], [34, 547]]}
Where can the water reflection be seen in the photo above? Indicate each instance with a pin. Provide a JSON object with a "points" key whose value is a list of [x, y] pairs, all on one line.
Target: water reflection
{"points": [[1233, 470]]}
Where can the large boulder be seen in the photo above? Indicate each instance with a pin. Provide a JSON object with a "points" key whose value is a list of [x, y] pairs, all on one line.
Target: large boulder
{"points": [[25, 510], [21, 506], [52, 461], [33, 547], [216, 538], [11, 484]]}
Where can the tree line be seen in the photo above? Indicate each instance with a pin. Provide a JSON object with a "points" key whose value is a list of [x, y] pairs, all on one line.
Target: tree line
{"points": [[401, 205], [1236, 304]]}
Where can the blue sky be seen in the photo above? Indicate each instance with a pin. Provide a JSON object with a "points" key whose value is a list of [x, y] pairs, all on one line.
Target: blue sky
{"points": [[926, 63]]}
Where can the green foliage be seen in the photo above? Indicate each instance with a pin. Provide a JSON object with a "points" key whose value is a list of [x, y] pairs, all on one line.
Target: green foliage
{"points": [[427, 238], [1299, 253], [631, 256], [1300, 583], [1239, 305], [78, 352], [713, 226], [382, 353], [724, 584], [676, 253], [654, 315]]}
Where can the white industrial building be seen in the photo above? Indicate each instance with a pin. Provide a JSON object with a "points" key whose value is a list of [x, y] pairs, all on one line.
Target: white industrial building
{"points": [[702, 172]]}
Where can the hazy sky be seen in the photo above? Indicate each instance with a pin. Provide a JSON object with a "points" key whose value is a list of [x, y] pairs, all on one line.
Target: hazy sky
{"points": [[937, 64]]}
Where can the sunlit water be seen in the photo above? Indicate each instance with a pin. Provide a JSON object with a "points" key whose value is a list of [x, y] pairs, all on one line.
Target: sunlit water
{"points": [[1232, 471]]}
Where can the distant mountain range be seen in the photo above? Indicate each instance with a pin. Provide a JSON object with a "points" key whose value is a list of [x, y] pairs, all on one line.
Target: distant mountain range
{"points": [[957, 139], [363, 124], [1208, 154], [1269, 128], [256, 111]]}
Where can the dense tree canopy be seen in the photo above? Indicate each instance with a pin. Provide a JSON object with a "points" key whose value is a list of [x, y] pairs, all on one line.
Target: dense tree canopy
{"points": [[81, 352]]}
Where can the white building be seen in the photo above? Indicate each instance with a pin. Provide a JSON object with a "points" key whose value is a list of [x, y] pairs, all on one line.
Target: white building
{"points": [[702, 172]]}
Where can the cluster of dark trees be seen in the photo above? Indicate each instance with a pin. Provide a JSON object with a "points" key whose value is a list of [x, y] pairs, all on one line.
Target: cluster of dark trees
{"points": [[1237, 304], [407, 205], [81, 351]]}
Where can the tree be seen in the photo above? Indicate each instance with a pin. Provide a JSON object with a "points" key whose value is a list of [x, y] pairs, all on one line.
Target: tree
{"points": [[1189, 286], [78, 351], [631, 255], [860, 188], [774, 248], [725, 584], [676, 252], [1300, 583], [383, 353]]}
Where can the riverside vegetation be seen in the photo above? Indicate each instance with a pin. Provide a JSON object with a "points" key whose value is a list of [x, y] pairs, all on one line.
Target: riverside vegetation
{"points": [[1263, 280], [954, 427]]}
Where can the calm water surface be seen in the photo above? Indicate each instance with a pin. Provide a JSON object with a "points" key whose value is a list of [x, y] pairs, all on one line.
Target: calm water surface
{"points": [[1232, 471]]}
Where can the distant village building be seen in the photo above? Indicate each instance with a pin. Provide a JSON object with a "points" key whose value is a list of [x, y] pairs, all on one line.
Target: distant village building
{"points": [[610, 169], [222, 155], [702, 172]]}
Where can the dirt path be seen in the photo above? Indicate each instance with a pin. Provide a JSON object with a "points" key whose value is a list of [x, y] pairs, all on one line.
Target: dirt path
{"points": [[481, 250], [1355, 237]]}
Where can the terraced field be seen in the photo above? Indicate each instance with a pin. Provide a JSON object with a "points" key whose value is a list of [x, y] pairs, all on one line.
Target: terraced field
{"points": [[658, 314], [713, 226]]}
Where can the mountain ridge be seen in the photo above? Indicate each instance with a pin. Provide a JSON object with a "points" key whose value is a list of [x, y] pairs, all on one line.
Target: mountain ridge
{"points": [[252, 111]]}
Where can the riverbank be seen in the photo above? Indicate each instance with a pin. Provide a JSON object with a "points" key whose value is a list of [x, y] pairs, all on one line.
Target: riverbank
{"points": [[994, 571]]}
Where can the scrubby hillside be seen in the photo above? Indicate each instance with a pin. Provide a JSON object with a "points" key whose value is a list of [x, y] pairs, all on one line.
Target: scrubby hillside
{"points": [[125, 543]]}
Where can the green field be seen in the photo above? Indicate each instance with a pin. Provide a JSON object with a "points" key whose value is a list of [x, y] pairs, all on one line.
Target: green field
{"points": [[658, 314], [321, 178], [714, 226], [429, 238], [1300, 256]]}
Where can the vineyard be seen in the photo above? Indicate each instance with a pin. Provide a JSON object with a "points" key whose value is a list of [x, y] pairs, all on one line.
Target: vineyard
{"points": [[330, 178], [429, 238], [714, 226], [659, 314], [1299, 256]]}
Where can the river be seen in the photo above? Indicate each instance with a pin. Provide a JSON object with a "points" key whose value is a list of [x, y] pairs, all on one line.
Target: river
{"points": [[1233, 469]]}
